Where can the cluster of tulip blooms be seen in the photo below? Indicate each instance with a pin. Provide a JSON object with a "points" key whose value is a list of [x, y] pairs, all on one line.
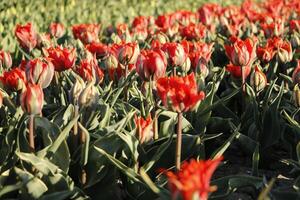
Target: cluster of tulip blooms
{"points": [[169, 54]]}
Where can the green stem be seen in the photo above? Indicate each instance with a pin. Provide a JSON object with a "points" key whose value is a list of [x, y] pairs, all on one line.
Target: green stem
{"points": [[178, 142], [31, 133]]}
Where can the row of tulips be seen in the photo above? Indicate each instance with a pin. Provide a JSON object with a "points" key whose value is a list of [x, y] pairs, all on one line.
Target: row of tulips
{"points": [[172, 56]]}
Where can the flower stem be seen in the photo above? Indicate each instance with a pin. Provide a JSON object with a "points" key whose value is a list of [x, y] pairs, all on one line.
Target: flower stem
{"points": [[243, 87], [178, 142], [31, 133], [75, 129]]}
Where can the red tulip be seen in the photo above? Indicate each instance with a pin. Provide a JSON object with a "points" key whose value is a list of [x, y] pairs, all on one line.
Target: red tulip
{"points": [[86, 33], [193, 31], [236, 71], [140, 21], [175, 53], [144, 128], [265, 54], [285, 52], [128, 53], [193, 179], [5, 60], [90, 71], [62, 58], [26, 35], [151, 63], [180, 94], [57, 30], [101, 50], [40, 72], [296, 73], [241, 52], [14, 79], [273, 29], [32, 99]]}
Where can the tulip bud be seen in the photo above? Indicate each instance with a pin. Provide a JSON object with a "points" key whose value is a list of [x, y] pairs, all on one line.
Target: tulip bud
{"points": [[186, 65], [296, 95], [26, 35], [258, 80], [111, 62], [40, 72], [202, 66], [76, 90], [128, 53], [144, 129], [32, 99], [284, 52], [57, 30], [5, 59], [89, 96]]}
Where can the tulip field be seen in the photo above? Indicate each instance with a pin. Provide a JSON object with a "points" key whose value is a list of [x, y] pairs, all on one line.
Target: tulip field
{"points": [[166, 100]]}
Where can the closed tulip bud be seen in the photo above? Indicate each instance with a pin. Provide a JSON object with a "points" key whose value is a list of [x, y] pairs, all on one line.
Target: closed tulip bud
{"points": [[175, 53], [186, 65], [296, 73], [57, 30], [76, 90], [144, 129], [44, 40], [202, 67], [296, 95], [111, 62], [40, 72], [89, 96], [284, 52], [32, 99], [258, 80], [5, 60]]}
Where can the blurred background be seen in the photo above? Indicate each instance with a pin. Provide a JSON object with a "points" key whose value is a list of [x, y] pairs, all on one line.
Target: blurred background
{"points": [[106, 12]]}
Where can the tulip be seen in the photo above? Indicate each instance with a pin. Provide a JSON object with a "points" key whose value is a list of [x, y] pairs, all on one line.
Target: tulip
{"points": [[111, 64], [90, 71], [236, 71], [40, 72], [144, 128], [258, 79], [57, 30], [76, 90], [32, 99], [86, 33], [295, 40], [62, 58], [128, 53], [273, 29], [14, 79], [27, 36], [193, 31], [241, 52], [151, 64], [296, 74], [179, 93], [296, 95], [295, 25], [265, 54], [5, 60], [101, 50], [175, 53], [193, 179], [89, 96], [285, 52]]}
